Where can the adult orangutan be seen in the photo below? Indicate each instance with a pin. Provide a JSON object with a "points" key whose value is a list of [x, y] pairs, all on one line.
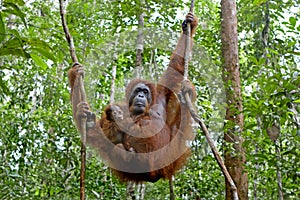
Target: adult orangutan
{"points": [[156, 125]]}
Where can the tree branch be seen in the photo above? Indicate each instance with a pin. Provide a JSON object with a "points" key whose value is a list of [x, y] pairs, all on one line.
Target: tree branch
{"points": [[211, 144], [66, 30], [83, 99]]}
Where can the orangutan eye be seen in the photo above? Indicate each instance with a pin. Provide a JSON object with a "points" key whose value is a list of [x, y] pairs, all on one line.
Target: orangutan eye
{"points": [[138, 90]]}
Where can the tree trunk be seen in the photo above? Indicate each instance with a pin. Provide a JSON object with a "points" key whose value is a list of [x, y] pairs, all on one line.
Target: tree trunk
{"points": [[140, 46], [233, 151], [113, 75]]}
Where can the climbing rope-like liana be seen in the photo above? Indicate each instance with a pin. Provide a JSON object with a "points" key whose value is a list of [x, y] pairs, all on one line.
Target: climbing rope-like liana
{"points": [[197, 118], [79, 81], [188, 45]]}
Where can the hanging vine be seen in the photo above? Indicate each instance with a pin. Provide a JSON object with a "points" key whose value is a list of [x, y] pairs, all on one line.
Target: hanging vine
{"points": [[82, 97]]}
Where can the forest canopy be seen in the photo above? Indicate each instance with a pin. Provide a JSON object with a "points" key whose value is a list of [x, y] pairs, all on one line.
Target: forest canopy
{"points": [[39, 143]]}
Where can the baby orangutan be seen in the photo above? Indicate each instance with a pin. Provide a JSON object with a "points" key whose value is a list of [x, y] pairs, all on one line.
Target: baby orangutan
{"points": [[110, 121]]}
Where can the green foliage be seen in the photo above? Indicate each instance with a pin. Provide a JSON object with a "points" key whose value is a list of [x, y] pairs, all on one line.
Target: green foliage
{"points": [[39, 145], [271, 84], [2, 29]]}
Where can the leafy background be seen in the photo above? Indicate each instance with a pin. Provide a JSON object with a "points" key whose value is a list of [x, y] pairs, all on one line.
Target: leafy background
{"points": [[39, 145]]}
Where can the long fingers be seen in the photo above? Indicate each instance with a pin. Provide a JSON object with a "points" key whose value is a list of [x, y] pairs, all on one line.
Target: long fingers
{"points": [[83, 109], [79, 68], [189, 17]]}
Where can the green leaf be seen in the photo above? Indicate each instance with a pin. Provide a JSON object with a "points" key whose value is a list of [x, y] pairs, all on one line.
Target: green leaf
{"points": [[45, 52], [258, 2], [39, 61], [2, 29], [15, 33], [14, 43], [14, 9], [254, 60], [297, 101], [294, 53], [262, 61], [18, 2], [14, 51], [273, 51], [37, 43], [37, 192], [293, 21]]}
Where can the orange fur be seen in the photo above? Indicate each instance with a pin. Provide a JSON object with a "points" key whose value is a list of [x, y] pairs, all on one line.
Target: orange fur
{"points": [[165, 126]]}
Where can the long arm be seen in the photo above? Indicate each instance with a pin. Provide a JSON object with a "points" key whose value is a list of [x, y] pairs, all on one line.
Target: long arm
{"points": [[174, 73], [178, 117], [74, 75], [94, 134], [116, 157], [171, 81]]}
